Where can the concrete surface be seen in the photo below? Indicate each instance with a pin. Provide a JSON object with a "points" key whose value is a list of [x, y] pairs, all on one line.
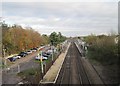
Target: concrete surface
{"points": [[53, 72]]}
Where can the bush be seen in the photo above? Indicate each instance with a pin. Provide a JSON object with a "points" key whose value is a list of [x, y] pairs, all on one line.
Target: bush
{"points": [[104, 50]]}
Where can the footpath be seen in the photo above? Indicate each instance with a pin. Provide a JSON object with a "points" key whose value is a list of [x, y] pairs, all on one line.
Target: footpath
{"points": [[52, 74]]}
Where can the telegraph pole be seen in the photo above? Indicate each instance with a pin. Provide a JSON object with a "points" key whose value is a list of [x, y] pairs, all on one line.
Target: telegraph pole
{"points": [[5, 63]]}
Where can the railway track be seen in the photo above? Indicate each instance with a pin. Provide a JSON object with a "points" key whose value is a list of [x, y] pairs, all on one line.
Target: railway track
{"points": [[84, 78], [104, 84], [72, 71]]}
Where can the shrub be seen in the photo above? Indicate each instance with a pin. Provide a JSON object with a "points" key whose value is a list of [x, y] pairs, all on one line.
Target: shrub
{"points": [[104, 50]]}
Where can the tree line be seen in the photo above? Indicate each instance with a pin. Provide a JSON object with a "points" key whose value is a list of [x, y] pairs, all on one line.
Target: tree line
{"points": [[15, 38]]}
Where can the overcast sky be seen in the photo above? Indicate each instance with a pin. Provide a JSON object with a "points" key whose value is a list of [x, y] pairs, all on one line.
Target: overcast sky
{"points": [[69, 18]]}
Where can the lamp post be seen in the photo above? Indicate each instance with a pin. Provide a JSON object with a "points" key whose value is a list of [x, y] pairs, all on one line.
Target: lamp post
{"points": [[52, 54], [52, 43], [41, 62]]}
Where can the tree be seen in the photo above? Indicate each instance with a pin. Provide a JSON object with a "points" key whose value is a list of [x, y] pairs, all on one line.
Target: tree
{"points": [[16, 39], [56, 38], [45, 39], [53, 38]]}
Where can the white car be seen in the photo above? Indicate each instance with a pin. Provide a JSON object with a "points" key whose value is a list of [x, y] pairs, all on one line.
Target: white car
{"points": [[17, 57], [50, 51], [38, 58], [40, 48], [33, 50]]}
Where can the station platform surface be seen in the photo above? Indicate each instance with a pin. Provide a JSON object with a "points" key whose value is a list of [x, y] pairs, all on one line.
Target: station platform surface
{"points": [[53, 72]]}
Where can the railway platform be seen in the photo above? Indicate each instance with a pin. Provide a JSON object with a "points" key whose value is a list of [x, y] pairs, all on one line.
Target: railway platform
{"points": [[51, 76]]}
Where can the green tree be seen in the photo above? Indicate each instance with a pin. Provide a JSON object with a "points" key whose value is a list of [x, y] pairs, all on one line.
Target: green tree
{"points": [[53, 38], [45, 39], [56, 38], [61, 38]]}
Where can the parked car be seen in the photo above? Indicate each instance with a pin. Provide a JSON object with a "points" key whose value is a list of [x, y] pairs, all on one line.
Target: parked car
{"points": [[12, 59], [38, 58], [17, 57], [50, 51], [29, 52], [46, 54], [23, 54], [34, 49], [40, 48], [37, 48], [44, 58]]}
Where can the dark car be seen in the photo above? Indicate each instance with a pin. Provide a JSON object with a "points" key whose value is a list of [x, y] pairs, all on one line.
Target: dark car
{"points": [[23, 54], [34, 49], [29, 52], [12, 59], [46, 54]]}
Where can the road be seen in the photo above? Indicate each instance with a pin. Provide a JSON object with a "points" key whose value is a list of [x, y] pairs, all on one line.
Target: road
{"points": [[72, 71]]}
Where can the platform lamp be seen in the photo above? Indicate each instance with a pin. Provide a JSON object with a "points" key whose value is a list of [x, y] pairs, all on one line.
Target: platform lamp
{"points": [[52, 43], [41, 63]]}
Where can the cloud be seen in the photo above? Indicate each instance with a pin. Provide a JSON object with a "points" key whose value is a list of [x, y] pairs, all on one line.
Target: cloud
{"points": [[61, 1], [70, 18]]}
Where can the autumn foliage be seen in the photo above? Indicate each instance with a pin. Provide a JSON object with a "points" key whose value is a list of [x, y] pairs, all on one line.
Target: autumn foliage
{"points": [[16, 38]]}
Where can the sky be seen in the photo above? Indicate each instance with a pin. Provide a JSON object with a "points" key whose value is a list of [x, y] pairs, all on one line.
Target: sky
{"points": [[73, 18]]}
